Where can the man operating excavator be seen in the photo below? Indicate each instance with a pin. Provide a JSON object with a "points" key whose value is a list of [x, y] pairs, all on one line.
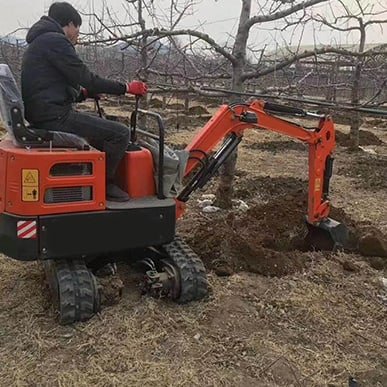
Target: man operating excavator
{"points": [[54, 77]]}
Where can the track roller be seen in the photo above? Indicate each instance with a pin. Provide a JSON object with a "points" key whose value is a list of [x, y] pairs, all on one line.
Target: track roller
{"points": [[74, 290], [179, 275]]}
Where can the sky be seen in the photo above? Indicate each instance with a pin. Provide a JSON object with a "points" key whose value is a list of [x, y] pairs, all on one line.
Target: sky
{"points": [[218, 18]]}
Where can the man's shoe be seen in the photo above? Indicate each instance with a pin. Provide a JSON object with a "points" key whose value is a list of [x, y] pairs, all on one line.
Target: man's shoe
{"points": [[116, 194]]}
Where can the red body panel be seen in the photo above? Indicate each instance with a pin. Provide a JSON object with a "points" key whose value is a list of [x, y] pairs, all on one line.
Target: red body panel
{"points": [[3, 179], [15, 160], [136, 174]]}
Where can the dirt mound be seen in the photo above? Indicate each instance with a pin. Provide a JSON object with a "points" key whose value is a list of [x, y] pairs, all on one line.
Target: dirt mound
{"points": [[271, 238], [111, 288], [183, 121], [207, 100], [377, 122], [213, 105], [177, 146], [113, 101], [175, 106], [197, 110], [373, 244], [156, 103], [275, 146], [365, 138], [233, 244], [341, 117], [369, 171], [267, 239]]}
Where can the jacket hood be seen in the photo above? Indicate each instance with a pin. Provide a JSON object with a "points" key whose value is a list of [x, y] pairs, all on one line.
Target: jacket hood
{"points": [[44, 25]]}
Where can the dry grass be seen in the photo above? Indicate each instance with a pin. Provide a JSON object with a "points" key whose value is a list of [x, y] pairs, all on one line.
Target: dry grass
{"points": [[313, 328]]}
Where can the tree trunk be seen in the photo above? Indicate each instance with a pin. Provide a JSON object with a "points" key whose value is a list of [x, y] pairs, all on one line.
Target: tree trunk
{"points": [[355, 116], [186, 104], [332, 89], [225, 190], [144, 73], [355, 99]]}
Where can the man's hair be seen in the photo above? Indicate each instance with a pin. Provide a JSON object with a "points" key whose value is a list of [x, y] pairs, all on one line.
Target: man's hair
{"points": [[64, 13]]}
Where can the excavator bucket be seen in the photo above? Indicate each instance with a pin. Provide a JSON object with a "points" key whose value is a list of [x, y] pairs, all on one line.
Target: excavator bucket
{"points": [[327, 235]]}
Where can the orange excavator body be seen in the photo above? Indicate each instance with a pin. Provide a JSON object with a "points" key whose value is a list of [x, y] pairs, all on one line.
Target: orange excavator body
{"points": [[53, 203], [40, 183]]}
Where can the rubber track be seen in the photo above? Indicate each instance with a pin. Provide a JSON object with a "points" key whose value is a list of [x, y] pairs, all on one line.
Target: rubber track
{"points": [[194, 285], [78, 297]]}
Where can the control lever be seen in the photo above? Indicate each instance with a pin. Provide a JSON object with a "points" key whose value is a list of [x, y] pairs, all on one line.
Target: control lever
{"points": [[133, 120], [96, 99]]}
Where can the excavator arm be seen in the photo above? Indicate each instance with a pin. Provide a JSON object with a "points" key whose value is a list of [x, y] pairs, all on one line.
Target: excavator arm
{"points": [[230, 122]]}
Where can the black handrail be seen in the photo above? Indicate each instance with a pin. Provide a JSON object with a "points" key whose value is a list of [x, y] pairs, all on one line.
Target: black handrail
{"points": [[160, 193]]}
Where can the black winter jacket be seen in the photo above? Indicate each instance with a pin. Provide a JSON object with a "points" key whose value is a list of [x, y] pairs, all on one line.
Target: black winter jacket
{"points": [[52, 74]]}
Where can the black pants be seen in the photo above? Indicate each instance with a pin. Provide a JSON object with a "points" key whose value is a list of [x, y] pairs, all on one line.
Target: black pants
{"points": [[104, 135]]}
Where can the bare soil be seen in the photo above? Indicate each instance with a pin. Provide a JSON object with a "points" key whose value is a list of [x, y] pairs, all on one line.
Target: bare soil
{"points": [[258, 242], [197, 110], [369, 171], [279, 312], [278, 146]]}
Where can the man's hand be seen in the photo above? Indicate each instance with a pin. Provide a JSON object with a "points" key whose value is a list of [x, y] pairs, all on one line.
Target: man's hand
{"points": [[136, 88]]}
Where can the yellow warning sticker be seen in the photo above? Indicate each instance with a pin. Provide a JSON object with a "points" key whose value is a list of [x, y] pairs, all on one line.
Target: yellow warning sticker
{"points": [[30, 185], [30, 194], [30, 177]]}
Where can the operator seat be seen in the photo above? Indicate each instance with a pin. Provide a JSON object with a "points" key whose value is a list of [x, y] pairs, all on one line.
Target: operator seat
{"points": [[12, 115]]}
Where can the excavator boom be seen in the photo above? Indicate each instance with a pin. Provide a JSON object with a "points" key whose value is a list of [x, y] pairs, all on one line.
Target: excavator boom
{"points": [[230, 122]]}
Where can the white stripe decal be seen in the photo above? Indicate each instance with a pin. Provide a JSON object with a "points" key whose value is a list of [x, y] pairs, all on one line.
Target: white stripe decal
{"points": [[26, 228], [30, 235]]}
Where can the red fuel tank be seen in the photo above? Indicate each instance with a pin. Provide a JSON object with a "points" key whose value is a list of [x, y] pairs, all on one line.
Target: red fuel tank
{"points": [[136, 173]]}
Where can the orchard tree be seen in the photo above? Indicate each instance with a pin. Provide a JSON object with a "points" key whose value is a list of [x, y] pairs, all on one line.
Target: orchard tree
{"points": [[237, 60], [355, 17]]}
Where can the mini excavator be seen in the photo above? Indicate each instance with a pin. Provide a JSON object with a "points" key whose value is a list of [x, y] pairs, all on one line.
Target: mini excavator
{"points": [[53, 206]]}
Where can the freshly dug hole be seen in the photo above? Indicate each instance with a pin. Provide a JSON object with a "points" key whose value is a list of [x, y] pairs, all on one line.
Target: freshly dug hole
{"points": [[263, 240], [268, 239]]}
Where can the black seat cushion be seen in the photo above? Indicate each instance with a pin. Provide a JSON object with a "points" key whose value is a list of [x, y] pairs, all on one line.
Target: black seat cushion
{"points": [[55, 139]]}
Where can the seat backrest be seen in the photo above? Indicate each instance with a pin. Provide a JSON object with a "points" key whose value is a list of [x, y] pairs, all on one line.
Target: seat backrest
{"points": [[12, 117], [10, 97]]}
